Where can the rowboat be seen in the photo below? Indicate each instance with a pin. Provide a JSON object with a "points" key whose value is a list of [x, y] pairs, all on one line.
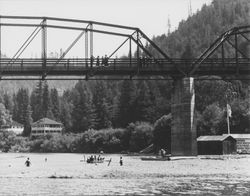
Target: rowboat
{"points": [[96, 161]]}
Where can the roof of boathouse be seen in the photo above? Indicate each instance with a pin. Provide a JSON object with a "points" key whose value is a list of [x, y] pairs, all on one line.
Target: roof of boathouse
{"points": [[214, 138], [239, 135], [46, 121]]}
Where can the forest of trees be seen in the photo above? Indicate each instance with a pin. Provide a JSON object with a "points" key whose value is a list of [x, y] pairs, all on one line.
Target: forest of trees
{"points": [[129, 115]]}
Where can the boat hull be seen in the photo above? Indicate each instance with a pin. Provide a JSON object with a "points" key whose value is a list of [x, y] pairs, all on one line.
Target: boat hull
{"points": [[155, 158]]}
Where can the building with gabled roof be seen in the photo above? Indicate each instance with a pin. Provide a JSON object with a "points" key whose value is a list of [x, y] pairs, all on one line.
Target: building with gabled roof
{"points": [[45, 126], [242, 142], [216, 145], [14, 126]]}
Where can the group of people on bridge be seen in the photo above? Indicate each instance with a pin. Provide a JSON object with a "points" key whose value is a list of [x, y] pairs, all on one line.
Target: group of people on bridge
{"points": [[104, 61]]}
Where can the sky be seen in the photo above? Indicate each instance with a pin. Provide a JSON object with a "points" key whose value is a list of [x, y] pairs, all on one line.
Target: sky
{"points": [[151, 16]]}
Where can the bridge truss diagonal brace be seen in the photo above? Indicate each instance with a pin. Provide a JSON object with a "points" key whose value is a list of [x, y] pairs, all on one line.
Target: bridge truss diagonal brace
{"points": [[237, 49], [182, 72], [245, 36], [25, 45], [68, 49], [118, 47], [208, 52]]}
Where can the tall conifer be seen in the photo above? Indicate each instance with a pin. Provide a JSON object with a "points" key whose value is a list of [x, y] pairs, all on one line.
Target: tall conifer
{"points": [[126, 112]]}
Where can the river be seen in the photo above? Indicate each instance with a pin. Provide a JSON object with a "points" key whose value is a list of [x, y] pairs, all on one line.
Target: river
{"points": [[67, 174]]}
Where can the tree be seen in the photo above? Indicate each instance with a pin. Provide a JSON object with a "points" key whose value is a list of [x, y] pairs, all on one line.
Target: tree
{"points": [[160, 105], [162, 133], [212, 117], [22, 112], [46, 102], [55, 103], [5, 117], [210, 91], [101, 106], [240, 121], [8, 102], [141, 136], [143, 103], [36, 101], [27, 121], [188, 52], [113, 93], [65, 115], [82, 114], [126, 107]]}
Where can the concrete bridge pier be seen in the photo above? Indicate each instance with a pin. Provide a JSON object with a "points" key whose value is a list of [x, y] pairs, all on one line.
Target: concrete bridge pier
{"points": [[183, 130]]}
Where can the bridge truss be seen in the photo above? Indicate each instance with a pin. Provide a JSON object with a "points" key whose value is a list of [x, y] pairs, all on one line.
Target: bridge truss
{"points": [[140, 65], [232, 39]]}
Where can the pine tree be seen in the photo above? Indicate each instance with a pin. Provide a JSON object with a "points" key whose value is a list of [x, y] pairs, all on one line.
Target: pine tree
{"points": [[36, 101], [143, 103], [55, 103], [5, 117], [102, 107], [82, 114], [22, 110], [157, 107], [65, 115], [113, 94], [47, 106], [8, 102], [126, 111], [15, 107], [27, 121]]}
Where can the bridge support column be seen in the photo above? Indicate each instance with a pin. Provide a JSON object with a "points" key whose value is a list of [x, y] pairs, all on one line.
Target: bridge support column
{"points": [[183, 130]]}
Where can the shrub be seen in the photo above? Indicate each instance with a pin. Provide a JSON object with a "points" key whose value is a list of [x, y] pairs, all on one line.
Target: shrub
{"points": [[162, 133], [141, 135]]}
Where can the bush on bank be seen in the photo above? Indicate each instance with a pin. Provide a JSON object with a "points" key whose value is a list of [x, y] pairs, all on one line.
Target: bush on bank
{"points": [[133, 138], [162, 133]]}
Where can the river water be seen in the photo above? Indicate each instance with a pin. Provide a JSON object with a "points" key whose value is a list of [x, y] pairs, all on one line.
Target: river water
{"points": [[67, 174]]}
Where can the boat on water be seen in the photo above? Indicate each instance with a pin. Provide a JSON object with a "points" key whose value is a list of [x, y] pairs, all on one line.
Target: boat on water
{"points": [[96, 161], [165, 158]]}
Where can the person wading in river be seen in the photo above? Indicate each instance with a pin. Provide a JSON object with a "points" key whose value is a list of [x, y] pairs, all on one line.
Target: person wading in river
{"points": [[27, 162]]}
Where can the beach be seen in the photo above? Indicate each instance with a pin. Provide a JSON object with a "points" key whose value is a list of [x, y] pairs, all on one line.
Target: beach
{"points": [[68, 174]]}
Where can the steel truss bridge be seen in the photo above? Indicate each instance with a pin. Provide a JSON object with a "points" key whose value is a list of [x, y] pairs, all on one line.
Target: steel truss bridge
{"points": [[141, 65]]}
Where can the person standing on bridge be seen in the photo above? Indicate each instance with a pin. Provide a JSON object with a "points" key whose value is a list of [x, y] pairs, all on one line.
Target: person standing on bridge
{"points": [[91, 61], [97, 61], [106, 60], [103, 61]]}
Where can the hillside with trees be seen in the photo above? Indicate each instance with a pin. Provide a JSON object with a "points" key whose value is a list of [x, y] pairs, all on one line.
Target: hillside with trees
{"points": [[127, 115]]}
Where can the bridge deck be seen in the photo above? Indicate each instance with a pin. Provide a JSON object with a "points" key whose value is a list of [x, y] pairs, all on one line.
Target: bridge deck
{"points": [[120, 67]]}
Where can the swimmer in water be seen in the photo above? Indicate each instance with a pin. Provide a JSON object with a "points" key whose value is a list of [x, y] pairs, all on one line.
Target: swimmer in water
{"points": [[27, 162]]}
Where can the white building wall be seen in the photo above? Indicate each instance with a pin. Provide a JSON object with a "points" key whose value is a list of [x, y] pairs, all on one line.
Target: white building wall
{"points": [[43, 130], [16, 130]]}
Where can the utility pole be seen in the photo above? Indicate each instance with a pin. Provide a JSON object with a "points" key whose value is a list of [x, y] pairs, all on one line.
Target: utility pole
{"points": [[190, 13], [169, 25]]}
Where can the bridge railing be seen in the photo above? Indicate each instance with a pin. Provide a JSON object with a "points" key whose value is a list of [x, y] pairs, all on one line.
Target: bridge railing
{"points": [[115, 65], [8, 64]]}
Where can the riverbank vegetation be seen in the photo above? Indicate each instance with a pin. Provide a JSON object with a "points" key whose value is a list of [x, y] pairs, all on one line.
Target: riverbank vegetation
{"points": [[116, 116], [133, 138]]}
